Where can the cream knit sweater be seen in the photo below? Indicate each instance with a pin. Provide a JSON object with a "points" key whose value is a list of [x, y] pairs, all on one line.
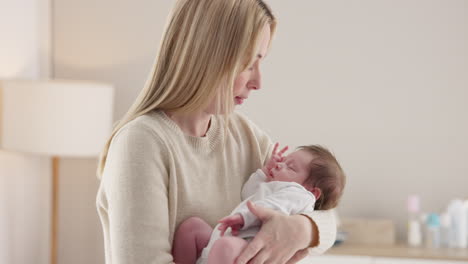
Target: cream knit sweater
{"points": [[156, 177]]}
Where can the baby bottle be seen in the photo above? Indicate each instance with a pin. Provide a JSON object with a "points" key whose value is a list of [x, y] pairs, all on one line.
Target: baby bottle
{"points": [[458, 217], [432, 231], [445, 230], [414, 226]]}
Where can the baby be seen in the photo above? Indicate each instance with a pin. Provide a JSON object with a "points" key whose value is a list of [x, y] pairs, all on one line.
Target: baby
{"points": [[307, 179]]}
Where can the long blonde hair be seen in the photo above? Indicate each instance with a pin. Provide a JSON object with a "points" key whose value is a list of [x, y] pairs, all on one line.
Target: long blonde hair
{"points": [[206, 44]]}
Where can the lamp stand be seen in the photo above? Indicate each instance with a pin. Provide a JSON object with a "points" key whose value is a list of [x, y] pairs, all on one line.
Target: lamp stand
{"points": [[54, 216]]}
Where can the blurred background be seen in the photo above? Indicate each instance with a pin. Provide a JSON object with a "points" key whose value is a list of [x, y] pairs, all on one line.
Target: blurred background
{"points": [[383, 84]]}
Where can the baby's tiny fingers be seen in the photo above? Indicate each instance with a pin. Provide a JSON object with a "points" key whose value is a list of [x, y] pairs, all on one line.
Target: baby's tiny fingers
{"points": [[275, 148], [283, 150], [223, 230]]}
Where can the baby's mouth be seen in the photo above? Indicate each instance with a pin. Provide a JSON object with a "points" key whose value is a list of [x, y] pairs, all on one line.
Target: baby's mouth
{"points": [[270, 174]]}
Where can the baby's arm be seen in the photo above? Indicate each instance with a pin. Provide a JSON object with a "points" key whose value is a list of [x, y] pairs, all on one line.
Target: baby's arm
{"points": [[289, 200], [235, 222], [251, 186]]}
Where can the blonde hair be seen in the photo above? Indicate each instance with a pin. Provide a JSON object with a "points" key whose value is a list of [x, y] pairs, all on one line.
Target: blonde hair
{"points": [[206, 44]]}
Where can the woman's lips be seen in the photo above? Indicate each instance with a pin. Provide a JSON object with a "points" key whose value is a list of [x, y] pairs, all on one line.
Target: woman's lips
{"points": [[239, 100]]}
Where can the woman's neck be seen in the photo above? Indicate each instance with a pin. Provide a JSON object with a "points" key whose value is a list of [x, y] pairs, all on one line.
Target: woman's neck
{"points": [[195, 124]]}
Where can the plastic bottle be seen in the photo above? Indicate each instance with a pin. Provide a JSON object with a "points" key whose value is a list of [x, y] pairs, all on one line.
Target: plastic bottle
{"points": [[432, 237], [465, 207], [414, 226], [459, 226], [445, 234]]}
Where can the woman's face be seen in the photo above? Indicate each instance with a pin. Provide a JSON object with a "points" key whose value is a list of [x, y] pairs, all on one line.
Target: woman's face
{"points": [[250, 78]]}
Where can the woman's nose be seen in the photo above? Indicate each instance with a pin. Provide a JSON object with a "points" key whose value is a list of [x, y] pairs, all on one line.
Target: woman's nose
{"points": [[256, 81], [254, 85]]}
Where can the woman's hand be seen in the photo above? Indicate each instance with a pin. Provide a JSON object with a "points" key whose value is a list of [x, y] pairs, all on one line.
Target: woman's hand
{"points": [[282, 238]]}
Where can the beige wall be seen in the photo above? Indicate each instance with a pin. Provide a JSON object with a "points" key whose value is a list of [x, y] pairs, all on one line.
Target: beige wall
{"points": [[114, 42], [382, 83], [24, 179], [80, 235]]}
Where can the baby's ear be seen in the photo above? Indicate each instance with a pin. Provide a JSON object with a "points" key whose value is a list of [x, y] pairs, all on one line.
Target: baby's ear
{"points": [[316, 192]]}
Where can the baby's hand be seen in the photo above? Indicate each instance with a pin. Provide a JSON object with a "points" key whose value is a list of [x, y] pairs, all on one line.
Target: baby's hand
{"points": [[235, 222], [275, 157]]}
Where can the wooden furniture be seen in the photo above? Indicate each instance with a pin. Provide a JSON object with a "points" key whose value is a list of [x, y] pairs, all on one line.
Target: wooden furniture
{"points": [[390, 254]]}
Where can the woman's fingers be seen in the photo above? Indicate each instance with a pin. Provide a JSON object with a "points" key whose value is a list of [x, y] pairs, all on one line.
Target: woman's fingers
{"points": [[250, 251], [249, 255], [279, 238], [298, 256], [280, 257], [260, 212], [261, 258]]}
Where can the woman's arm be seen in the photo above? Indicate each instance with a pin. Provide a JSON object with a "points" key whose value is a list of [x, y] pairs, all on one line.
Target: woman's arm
{"points": [[135, 183], [325, 223], [282, 238], [287, 226]]}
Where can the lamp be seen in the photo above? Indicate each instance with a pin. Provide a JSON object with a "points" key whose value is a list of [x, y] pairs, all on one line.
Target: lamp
{"points": [[56, 118]]}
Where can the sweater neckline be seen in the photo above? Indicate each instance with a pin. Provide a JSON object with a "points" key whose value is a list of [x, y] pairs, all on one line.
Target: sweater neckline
{"points": [[206, 143]]}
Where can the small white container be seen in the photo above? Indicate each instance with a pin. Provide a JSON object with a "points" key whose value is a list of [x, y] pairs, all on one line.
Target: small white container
{"points": [[445, 234], [465, 206], [414, 224], [459, 223]]}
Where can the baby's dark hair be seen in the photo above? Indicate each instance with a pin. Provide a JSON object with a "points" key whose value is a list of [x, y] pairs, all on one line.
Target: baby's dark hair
{"points": [[326, 174]]}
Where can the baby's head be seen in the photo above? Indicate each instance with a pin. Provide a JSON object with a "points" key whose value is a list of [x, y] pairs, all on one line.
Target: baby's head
{"points": [[315, 168]]}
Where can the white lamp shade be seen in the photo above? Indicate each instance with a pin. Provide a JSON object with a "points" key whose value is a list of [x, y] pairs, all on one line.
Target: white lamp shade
{"points": [[55, 118]]}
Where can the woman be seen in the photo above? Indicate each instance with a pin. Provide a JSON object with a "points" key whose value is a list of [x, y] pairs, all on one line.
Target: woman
{"points": [[181, 150]]}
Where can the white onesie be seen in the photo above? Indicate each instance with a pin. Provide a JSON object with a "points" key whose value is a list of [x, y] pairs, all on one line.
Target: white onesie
{"points": [[287, 197]]}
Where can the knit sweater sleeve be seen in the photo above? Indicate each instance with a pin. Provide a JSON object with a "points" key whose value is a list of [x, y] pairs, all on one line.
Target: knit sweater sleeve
{"points": [[136, 183], [326, 225]]}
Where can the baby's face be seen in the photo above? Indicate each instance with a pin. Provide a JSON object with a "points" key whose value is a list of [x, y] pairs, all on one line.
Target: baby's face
{"points": [[294, 168]]}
